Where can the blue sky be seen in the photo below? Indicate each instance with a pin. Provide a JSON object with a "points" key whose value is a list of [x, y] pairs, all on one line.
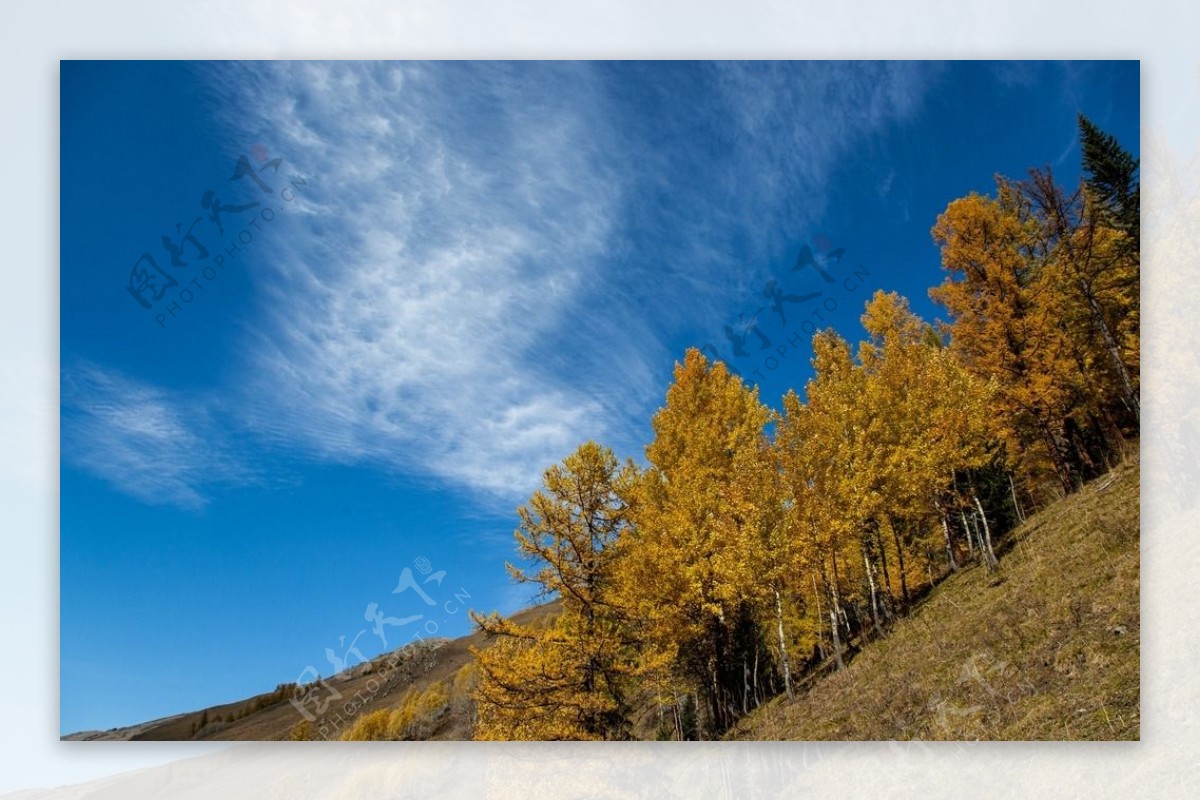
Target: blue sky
{"points": [[460, 272]]}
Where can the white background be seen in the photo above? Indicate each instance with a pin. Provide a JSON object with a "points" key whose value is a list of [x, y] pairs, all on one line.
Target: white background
{"points": [[34, 36]]}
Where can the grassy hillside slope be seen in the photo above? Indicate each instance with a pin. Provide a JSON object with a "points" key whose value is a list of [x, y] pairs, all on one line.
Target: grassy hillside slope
{"points": [[1045, 649]]}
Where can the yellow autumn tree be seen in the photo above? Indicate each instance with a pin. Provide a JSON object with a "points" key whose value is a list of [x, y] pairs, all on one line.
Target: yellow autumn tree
{"points": [[1007, 327], [867, 462], [824, 463], [930, 419], [694, 564], [566, 680], [1098, 271]]}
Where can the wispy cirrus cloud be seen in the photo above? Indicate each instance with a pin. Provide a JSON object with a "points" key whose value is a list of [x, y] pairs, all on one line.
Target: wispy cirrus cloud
{"points": [[415, 315], [158, 447], [494, 256], [493, 261], [738, 162]]}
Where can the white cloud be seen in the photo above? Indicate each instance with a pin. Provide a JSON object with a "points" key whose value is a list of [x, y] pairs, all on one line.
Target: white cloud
{"points": [[1010, 74], [149, 444], [459, 212], [491, 256]]}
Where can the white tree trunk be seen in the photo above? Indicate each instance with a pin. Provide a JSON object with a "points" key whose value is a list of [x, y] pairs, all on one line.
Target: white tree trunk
{"points": [[874, 593], [1016, 506], [949, 545], [783, 654], [986, 542], [820, 614], [837, 640]]}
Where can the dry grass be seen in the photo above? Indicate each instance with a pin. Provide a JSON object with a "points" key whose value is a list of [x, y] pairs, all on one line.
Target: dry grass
{"points": [[1045, 649]]}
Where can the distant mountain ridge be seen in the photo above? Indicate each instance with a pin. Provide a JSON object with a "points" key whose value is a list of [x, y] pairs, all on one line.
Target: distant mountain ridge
{"points": [[372, 686]]}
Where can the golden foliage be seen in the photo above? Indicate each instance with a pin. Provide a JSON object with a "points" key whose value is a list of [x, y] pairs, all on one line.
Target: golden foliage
{"points": [[564, 681], [415, 718]]}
